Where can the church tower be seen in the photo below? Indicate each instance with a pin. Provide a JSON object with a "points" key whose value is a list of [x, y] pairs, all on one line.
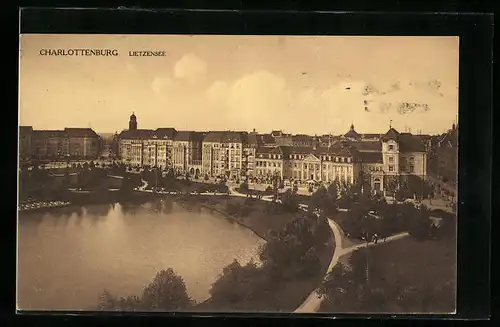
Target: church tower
{"points": [[132, 124]]}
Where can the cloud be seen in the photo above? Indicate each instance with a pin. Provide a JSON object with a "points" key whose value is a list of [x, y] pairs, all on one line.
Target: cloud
{"points": [[161, 84], [190, 67], [217, 92]]}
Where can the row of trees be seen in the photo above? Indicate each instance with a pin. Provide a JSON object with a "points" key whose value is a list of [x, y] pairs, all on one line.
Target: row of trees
{"points": [[167, 292], [169, 182], [289, 254]]}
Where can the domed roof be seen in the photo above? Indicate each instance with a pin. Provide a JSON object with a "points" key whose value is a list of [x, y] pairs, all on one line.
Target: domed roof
{"points": [[352, 133]]}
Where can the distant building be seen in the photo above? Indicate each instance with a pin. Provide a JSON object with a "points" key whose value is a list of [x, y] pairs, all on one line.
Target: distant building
{"points": [[223, 154], [378, 161], [381, 163], [302, 140], [74, 143], [145, 147], [447, 156], [187, 152]]}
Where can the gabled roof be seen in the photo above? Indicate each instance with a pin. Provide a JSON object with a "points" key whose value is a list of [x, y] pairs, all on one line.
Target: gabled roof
{"points": [[49, 134], [371, 136], [188, 136], [165, 133], [80, 132], [410, 143], [226, 137], [368, 146], [304, 150], [254, 140], [370, 157], [234, 137], [391, 134], [450, 139], [138, 134], [301, 138], [213, 136], [266, 138]]}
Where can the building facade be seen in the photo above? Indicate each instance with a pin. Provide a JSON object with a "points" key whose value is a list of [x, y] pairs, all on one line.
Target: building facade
{"points": [[187, 152], [144, 147], [70, 143], [447, 157], [223, 155], [378, 161]]}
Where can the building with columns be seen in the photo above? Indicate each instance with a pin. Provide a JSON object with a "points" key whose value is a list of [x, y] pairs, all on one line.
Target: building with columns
{"points": [[378, 161]]}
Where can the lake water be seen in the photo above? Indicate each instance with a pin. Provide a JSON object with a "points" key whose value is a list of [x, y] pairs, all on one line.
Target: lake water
{"points": [[68, 256]]}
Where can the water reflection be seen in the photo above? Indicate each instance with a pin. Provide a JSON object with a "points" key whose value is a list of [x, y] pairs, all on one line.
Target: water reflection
{"points": [[67, 256]]}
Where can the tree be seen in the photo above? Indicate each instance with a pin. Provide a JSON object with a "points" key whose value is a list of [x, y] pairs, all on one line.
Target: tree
{"points": [[166, 292], [323, 200], [244, 187], [289, 201], [419, 223], [238, 285], [333, 190], [107, 301]]}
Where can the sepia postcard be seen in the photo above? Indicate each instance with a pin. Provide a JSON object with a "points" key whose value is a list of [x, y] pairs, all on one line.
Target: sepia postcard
{"points": [[256, 174]]}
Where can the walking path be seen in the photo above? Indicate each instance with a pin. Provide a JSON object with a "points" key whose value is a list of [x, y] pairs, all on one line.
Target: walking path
{"points": [[313, 301]]}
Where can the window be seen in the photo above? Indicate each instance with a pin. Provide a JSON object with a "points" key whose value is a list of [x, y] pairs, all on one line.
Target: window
{"points": [[391, 159], [391, 147], [412, 169], [412, 159], [391, 168]]}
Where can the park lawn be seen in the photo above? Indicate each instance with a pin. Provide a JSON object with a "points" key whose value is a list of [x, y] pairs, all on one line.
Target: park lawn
{"points": [[412, 264]]}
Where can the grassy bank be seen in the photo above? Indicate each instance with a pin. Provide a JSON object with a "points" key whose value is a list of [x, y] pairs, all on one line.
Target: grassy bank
{"points": [[422, 272], [283, 295]]}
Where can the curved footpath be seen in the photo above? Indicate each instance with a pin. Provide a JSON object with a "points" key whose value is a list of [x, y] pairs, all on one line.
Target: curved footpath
{"points": [[313, 301]]}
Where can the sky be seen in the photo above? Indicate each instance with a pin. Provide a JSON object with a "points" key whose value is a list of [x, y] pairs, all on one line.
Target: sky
{"points": [[298, 84]]}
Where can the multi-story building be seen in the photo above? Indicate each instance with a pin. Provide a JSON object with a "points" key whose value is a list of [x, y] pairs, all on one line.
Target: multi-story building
{"points": [[380, 164], [447, 157], [281, 138], [379, 161], [222, 153], [249, 153], [187, 152], [73, 143], [301, 140], [145, 147]]}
